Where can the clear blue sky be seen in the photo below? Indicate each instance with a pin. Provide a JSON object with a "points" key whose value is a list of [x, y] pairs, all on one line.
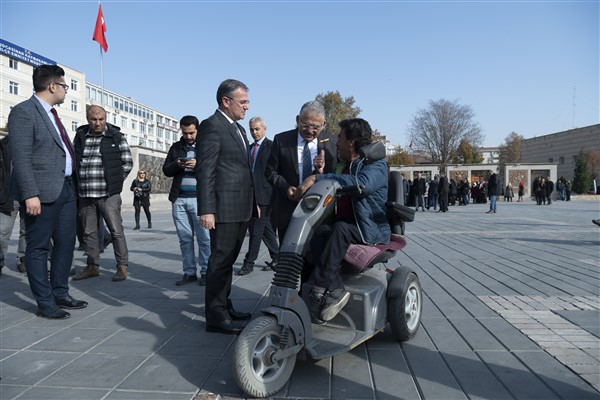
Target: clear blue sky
{"points": [[519, 65]]}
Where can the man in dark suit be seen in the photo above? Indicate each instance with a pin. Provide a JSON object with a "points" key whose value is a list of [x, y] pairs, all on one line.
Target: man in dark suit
{"points": [[43, 182], [286, 164], [260, 228], [225, 200]]}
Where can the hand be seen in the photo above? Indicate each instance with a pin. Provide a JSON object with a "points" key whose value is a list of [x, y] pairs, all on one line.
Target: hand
{"points": [[33, 206], [290, 193], [190, 164], [258, 211], [319, 162], [207, 221], [304, 186]]}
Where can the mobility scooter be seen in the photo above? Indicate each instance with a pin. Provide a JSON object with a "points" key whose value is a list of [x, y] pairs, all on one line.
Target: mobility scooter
{"points": [[267, 348]]}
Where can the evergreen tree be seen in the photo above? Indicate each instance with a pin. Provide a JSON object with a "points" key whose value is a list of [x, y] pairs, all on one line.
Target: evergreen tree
{"points": [[582, 178]]}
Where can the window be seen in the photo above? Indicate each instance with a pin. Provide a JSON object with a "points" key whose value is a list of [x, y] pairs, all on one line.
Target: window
{"points": [[13, 87], [150, 130], [114, 119], [12, 63], [133, 124], [73, 126], [74, 85], [142, 127], [93, 96], [123, 122], [561, 160], [74, 105], [159, 132], [550, 160], [151, 144]]}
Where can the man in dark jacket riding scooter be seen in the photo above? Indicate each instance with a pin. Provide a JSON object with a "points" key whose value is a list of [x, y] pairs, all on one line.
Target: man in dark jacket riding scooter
{"points": [[360, 218]]}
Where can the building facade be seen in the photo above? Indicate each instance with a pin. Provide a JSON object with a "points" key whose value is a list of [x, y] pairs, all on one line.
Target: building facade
{"points": [[142, 125], [561, 148]]}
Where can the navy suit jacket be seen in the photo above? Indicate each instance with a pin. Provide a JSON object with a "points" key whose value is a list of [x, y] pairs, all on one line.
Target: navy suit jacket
{"points": [[225, 186], [282, 171], [37, 152]]}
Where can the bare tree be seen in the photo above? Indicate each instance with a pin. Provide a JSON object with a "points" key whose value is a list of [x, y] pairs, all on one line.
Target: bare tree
{"points": [[510, 150], [440, 128], [337, 109]]}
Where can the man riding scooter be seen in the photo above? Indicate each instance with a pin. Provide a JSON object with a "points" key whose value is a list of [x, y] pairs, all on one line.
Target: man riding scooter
{"points": [[360, 218]]}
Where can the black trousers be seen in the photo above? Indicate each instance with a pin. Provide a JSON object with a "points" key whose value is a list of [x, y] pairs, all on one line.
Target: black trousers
{"points": [[328, 247], [260, 229], [225, 243]]}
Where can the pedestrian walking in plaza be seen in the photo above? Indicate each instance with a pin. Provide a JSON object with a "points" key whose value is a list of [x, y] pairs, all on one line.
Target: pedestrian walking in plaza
{"points": [[492, 190], [180, 165], [103, 160], [141, 188]]}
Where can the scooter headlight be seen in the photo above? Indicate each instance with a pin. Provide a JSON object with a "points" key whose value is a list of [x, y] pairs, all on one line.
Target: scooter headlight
{"points": [[311, 201]]}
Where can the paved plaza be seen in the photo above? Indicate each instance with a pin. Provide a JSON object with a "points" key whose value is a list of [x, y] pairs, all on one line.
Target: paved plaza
{"points": [[511, 311]]}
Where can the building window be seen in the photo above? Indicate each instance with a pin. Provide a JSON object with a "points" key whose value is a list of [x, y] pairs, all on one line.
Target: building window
{"points": [[550, 160], [13, 87], [561, 160], [124, 122], [12, 63], [159, 132], [73, 126], [74, 85], [133, 124], [74, 105]]}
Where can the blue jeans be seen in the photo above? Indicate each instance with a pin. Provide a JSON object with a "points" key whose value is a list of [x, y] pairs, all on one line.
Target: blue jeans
{"points": [[187, 223], [493, 203]]}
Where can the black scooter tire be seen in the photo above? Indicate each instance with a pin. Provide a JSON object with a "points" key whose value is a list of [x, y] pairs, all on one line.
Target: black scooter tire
{"points": [[255, 372], [404, 311]]}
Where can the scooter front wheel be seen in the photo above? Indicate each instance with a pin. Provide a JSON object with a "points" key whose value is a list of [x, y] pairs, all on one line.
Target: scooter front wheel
{"points": [[257, 372], [404, 311]]}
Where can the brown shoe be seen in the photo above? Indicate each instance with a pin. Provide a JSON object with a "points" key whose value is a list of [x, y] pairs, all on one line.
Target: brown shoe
{"points": [[88, 272], [121, 274]]}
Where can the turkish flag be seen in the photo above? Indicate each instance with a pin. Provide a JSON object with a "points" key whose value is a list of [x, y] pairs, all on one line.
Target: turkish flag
{"points": [[100, 29]]}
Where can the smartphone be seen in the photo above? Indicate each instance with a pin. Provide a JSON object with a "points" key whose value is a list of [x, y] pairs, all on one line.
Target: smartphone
{"points": [[185, 159]]}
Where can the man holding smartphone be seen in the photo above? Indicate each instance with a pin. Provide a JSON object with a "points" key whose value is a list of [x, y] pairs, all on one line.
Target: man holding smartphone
{"points": [[180, 164]]}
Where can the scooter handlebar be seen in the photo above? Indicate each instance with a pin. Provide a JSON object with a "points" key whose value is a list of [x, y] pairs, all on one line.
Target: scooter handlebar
{"points": [[346, 190]]}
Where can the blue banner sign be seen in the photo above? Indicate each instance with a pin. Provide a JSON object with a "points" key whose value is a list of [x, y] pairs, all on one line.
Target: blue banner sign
{"points": [[24, 55]]}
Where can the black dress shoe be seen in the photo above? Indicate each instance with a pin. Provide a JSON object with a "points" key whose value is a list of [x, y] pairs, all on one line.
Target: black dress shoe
{"points": [[71, 304], [186, 279], [202, 280], [56, 314], [228, 326], [245, 270], [238, 315]]}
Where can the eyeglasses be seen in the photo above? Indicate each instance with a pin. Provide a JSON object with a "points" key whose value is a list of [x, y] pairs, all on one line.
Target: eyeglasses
{"points": [[242, 103], [64, 85], [311, 127]]}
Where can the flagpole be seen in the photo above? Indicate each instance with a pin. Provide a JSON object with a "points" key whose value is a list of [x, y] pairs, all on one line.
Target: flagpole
{"points": [[101, 70]]}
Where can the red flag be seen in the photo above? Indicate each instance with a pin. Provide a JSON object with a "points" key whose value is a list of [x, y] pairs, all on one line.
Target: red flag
{"points": [[100, 29]]}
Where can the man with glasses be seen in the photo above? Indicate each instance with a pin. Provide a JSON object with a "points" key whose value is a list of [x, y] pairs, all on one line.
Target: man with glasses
{"points": [[295, 155], [226, 202], [180, 165], [43, 181], [103, 162]]}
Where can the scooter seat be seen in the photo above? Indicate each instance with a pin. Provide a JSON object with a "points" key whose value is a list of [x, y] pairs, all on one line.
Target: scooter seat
{"points": [[360, 257]]}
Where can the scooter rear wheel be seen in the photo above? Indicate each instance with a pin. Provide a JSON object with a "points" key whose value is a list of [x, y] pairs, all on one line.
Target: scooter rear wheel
{"points": [[404, 312], [256, 372]]}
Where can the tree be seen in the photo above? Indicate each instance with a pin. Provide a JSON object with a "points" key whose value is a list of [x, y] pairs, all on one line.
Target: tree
{"points": [[378, 136], [582, 179], [467, 154], [510, 150], [337, 109], [440, 128], [400, 157], [593, 159]]}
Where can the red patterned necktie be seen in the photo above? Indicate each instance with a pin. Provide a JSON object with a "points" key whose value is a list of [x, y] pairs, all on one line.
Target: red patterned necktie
{"points": [[63, 135]]}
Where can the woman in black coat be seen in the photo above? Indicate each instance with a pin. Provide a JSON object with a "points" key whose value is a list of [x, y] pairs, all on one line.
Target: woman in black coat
{"points": [[141, 188]]}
